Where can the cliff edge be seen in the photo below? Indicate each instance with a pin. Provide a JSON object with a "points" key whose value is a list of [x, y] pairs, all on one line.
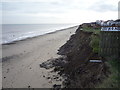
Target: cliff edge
{"points": [[75, 62]]}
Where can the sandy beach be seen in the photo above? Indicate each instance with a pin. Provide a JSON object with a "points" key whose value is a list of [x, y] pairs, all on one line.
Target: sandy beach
{"points": [[22, 59]]}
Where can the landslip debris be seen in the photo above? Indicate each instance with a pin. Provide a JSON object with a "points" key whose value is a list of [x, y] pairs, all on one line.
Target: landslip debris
{"points": [[55, 62]]}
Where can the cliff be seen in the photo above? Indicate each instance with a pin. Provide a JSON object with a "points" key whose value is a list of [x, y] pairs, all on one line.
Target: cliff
{"points": [[81, 72], [75, 62]]}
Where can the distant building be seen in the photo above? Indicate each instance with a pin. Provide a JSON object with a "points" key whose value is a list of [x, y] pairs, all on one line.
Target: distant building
{"points": [[110, 25]]}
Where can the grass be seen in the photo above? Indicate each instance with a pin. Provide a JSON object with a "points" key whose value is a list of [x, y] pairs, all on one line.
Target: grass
{"points": [[91, 29], [114, 79], [94, 38], [95, 43]]}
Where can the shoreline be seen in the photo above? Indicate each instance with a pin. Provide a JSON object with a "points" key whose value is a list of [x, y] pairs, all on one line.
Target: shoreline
{"points": [[26, 57], [13, 42]]}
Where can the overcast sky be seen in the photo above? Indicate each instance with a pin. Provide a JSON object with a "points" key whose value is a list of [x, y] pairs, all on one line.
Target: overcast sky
{"points": [[57, 11]]}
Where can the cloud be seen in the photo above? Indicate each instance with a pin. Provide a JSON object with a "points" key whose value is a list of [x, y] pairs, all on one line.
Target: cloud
{"points": [[104, 6], [57, 11], [32, 7]]}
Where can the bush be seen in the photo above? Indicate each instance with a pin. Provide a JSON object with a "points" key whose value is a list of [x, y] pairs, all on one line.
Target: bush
{"points": [[95, 43], [113, 81]]}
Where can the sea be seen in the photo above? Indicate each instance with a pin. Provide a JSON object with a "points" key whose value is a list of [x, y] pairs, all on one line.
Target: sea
{"points": [[16, 32]]}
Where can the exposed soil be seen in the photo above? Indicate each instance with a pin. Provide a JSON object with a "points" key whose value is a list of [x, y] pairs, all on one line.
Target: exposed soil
{"points": [[75, 64]]}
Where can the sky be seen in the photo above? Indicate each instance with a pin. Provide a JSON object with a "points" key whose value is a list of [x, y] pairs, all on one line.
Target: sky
{"points": [[57, 11]]}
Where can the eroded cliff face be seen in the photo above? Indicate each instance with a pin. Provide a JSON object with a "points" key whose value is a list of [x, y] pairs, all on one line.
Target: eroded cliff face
{"points": [[81, 72], [75, 65], [77, 49]]}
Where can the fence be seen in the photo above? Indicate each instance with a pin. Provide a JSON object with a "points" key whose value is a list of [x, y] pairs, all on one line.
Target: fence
{"points": [[110, 43]]}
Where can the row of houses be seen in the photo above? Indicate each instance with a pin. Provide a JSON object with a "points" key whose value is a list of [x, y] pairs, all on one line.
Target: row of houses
{"points": [[109, 25]]}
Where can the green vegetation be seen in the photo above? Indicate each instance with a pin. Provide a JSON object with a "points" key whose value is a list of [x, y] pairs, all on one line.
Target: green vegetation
{"points": [[113, 80], [91, 29], [112, 61], [115, 70], [95, 43], [94, 38]]}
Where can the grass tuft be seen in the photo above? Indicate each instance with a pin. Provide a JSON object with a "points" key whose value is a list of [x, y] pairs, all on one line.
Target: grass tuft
{"points": [[113, 81], [95, 43]]}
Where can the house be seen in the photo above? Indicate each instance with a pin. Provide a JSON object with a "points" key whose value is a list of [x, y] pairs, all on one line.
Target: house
{"points": [[110, 25]]}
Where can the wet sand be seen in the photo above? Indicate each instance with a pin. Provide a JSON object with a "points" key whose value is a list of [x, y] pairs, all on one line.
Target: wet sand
{"points": [[22, 59]]}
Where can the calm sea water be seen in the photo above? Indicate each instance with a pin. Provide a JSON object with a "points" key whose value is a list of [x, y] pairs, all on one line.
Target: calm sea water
{"points": [[15, 32]]}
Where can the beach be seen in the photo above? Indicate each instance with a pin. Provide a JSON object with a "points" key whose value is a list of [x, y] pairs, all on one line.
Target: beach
{"points": [[22, 59]]}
